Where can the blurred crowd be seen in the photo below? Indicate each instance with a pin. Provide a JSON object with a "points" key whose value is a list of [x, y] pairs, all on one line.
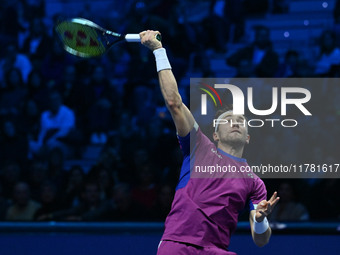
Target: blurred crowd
{"points": [[53, 106]]}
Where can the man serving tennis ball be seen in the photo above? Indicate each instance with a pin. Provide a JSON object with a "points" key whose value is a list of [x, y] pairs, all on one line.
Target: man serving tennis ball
{"points": [[204, 212]]}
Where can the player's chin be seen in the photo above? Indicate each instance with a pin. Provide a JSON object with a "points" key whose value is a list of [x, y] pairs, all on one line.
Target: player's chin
{"points": [[237, 140]]}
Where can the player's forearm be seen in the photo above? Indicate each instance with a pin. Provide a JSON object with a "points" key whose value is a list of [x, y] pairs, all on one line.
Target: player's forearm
{"points": [[260, 229], [183, 119], [167, 81], [262, 239], [169, 89]]}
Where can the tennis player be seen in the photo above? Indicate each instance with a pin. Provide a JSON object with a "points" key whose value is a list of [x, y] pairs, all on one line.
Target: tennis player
{"points": [[204, 212]]}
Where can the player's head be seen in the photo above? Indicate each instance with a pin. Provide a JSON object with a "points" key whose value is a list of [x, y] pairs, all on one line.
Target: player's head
{"points": [[230, 129]]}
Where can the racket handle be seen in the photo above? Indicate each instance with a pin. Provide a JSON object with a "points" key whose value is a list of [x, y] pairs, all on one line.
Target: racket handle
{"points": [[132, 37], [136, 37]]}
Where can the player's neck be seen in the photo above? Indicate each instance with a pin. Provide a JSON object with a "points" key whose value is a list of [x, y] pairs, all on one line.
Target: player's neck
{"points": [[236, 151]]}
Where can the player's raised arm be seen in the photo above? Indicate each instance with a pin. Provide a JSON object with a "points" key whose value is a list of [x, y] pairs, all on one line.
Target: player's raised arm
{"points": [[181, 115], [260, 229]]}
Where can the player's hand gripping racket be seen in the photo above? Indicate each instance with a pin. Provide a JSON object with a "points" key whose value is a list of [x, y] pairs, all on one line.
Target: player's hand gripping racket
{"points": [[83, 38]]}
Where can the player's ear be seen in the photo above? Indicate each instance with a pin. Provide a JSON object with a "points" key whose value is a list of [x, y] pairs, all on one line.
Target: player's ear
{"points": [[248, 139], [216, 137]]}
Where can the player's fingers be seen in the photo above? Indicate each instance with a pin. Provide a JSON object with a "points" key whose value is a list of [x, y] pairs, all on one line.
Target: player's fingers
{"points": [[275, 202], [263, 213], [272, 199], [269, 208], [263, 203], [142, 34], [157, 33], [146, 33]]}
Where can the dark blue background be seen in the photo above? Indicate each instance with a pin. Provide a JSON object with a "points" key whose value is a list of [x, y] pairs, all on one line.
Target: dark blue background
{"points": [[127, 244]]}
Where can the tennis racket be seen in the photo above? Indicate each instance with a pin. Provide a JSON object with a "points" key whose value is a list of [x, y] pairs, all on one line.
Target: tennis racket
{"points": [[83, 38]]}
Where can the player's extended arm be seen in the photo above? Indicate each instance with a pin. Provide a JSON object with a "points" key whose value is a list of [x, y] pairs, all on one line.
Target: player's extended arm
{"points": [[260, 229], [181, 115]]}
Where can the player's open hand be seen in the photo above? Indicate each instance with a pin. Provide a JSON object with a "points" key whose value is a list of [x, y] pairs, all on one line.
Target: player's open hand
{"points": [[264, 208], [148, 39]]}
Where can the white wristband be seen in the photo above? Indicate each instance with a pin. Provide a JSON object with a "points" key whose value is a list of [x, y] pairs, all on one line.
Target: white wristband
{"points": [[162, 61], [260, 227]]}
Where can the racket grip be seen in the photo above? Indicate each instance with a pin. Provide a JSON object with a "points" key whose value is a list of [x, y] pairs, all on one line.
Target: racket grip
{"points": [[136, 37], [132, 37]]}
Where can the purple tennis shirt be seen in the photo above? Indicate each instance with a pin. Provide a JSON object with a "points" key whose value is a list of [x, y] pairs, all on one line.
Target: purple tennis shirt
{"points": [[206, 206]]}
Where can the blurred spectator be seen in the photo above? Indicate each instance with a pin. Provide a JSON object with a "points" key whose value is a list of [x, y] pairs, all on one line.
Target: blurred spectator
{"points": [[36, 176], [143, 106], [83, 211], [127, 127], [71, 196], [37, 43], [260, 58], [103, 104], [34, 9], [13, 59], [336, 12], [336, 16], [200, 64], [304, 69], [119, 207], [13, 144], [145, 193], [3, 205], [125, 208], [11, 174], [49, 201], [288, 209], [23, 208], [187, 22], [72, 90], [280, 6], [289, 67], [326, 191], [172, 166], [29, 119], [10, 20], [91, 200], [55, 62], [56, 123], [56, 172], [256, 8], [102, 176], [226, 22], [163, 202], [329, 53], [14, 93], [38, 89], [117, 63]]}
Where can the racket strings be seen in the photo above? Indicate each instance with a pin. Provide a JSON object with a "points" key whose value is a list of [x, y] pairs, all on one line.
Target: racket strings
{"points": [[81, 40]]}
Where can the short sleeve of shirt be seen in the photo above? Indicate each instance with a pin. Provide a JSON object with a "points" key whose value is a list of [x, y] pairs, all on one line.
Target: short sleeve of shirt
{"points": [[188, 144], [257, 194]]}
